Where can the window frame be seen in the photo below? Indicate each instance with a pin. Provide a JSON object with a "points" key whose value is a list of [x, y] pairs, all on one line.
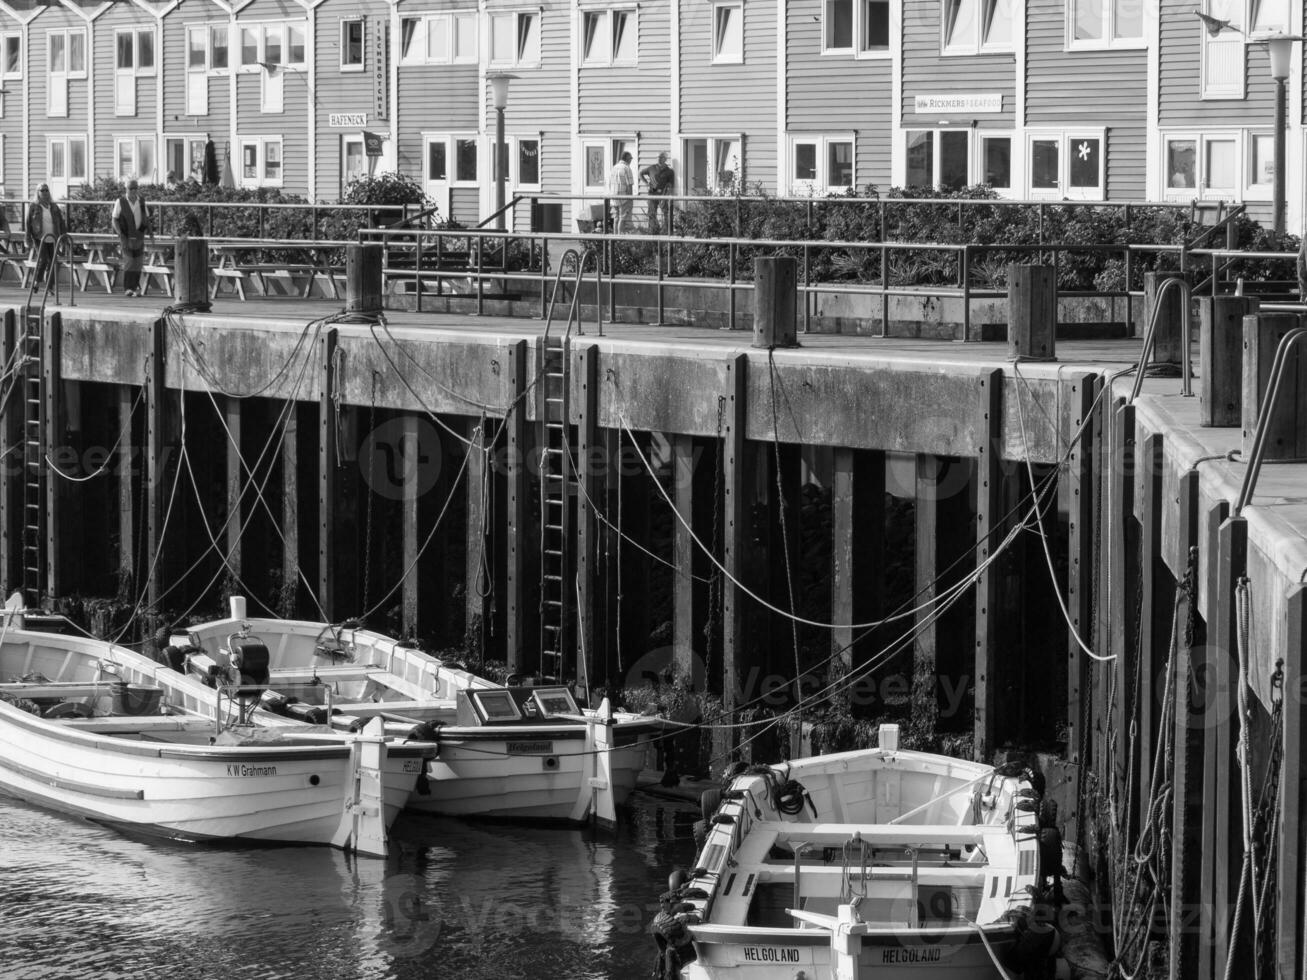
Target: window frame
{"points": [[261, 161], [713, 148], [605, 38], [1246, 186], [261, 29], [1108, 41], [187, 141], [136, 68], [451, 55], [5, 38], [519, 58], [67, 140], [821, 143], [978, 42], [361, 64], [67, 33], [135, 142], [857, 48], [515, 161], [718, 8], [1066, 140]]}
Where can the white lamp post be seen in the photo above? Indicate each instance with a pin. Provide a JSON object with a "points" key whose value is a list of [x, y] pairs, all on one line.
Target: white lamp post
{"points": [[499, 90], [1280, 47]]}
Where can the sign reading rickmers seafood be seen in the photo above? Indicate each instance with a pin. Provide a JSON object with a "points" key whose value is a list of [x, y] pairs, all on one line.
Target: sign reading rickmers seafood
{"points": [[963, 102]]}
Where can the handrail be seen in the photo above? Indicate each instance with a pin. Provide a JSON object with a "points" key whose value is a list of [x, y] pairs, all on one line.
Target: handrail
{"points": [[799, 848], [1269, 399], [578, 257], [52, 272], [504, 210], [1186, 340], [1221, 224]]}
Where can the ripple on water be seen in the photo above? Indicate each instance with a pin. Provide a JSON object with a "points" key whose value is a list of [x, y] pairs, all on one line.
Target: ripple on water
{"points": [[457, 899]]}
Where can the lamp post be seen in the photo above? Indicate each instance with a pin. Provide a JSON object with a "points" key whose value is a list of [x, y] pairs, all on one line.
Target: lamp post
{"points": [[1280, 47], [499, 89]]}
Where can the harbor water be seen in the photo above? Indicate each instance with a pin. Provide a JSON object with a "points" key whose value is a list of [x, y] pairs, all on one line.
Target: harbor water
{"points": [[461, 900]]}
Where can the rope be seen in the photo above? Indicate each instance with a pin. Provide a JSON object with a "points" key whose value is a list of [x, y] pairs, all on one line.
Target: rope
{"points": [[781, 505], [109, 457]]}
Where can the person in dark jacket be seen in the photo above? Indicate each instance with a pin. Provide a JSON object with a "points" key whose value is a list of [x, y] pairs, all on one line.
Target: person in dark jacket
{"points": [[45, 224], [661, 179], [131, 221]]}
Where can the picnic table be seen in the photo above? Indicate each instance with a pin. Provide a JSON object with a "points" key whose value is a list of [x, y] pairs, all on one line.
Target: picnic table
{"points": [[262, 261]]}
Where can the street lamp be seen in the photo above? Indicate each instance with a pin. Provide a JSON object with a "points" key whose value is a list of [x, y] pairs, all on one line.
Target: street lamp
{"points": [[499, 90], [1280, 47]]}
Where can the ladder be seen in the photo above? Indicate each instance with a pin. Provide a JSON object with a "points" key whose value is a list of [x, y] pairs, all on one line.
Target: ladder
{"points": [[31, 382], [557, 479]]}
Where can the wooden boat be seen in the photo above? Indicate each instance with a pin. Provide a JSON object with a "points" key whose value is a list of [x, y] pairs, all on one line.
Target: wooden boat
{"points": [[882, 863], [96, 730], [522, 751]]}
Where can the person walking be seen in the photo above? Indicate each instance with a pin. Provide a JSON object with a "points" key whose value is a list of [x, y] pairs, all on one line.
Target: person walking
{"points": [[660, 179], [621, 184], [131, 221], [45, 225]]}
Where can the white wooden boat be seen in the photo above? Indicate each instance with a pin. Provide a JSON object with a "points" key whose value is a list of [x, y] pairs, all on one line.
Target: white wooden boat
{"points": [[520, 752], [881, 863], [96, 730]]}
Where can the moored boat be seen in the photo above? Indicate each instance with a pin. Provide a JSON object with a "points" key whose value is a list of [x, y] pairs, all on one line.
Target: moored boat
{"points": [[879, 863], [98, 731], [521, 751]]}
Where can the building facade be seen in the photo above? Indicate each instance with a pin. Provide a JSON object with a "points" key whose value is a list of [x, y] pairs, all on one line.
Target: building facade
{"points": [[1109, 100]]}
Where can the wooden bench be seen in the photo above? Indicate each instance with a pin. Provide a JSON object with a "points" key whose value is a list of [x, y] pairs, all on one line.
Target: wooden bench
{"points": [[96, 262]]}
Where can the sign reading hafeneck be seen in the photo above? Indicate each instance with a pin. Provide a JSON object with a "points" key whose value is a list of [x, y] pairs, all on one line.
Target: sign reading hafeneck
{"points": [[960, 102], [347, 120]]}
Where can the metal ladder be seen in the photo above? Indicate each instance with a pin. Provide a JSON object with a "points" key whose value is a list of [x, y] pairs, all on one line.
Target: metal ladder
{"points": [[557, 478], [31, 381]]}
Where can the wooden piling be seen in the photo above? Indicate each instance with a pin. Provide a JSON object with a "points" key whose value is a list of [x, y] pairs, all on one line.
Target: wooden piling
{"points": [[683, 554], [1286, 429], [1290, 903], [411, 536], [191, 273], [1077, 490], [1153, 618], [156, 407], [519, 612], [1032, 312], [11, 480], [591, 464], [327, 473], [235, 483], [478, 567], [857, 552], [1167, 347], [1220, 357], [1122, 564], [735, 530], [125, 465], [288, 601], [989, 522], [775, 301], [363, 280]]}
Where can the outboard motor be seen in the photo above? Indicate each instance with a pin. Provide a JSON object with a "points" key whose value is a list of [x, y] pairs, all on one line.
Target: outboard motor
{"points": [[249, 667]]}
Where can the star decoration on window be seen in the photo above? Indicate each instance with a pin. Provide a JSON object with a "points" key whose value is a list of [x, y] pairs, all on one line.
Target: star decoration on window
{"points": [[1084, 149]]}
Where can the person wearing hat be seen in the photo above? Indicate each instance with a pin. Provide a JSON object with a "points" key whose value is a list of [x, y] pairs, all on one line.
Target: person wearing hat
{"points": [[45, 225], [675, 944], [131, 221], [660, 179]]}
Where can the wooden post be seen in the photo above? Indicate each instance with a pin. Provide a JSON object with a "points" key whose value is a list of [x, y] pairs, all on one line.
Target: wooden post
{"points": [[857, 551], [192, 273], [1289, 905], [989, 519], [1220, 350], [410, 452], [235, 481], [590, 461], [363, 263], [1167, 347], [126, 464], [683, 553], [52, 439], [327, 472], [927, 572], [1187, 775], [1032, 312], [1121, 544], [735, 530], [11, 472], [478, 574], [156, 400], [1148, 503], [775, 301], [288, 604], [1079, 499], [1286, 433], [519, 531]]}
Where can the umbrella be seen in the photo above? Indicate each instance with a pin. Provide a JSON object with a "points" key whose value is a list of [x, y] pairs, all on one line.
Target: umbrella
{"points": [[210, 163], [228, 178]]}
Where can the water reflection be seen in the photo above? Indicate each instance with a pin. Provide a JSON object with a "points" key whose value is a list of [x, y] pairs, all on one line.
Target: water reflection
{"points": [[455, 899]]}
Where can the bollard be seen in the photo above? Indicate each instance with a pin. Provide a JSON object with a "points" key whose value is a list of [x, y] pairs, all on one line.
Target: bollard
{"points": [[362, 278], [1031, 312], [1286, 429], [775, 301], [1220, 358], [191, 272], [1167, 337]]}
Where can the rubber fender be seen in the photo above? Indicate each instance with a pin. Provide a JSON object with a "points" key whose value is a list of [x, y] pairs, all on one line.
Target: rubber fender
{"points": [[709, 801]]}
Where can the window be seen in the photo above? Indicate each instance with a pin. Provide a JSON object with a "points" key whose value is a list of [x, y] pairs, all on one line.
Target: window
{"points": [[199, 53], [351, 45], [183, 156], [856, 27], [218, 50], [1232, 165], [997, 155], [820, 163], [11, 49], [728, 33], [1067, 165], [515, 39], [528, 163], [135, 50], [1261, 159], [465, 160], [354, 163], [274, 44], [1105, 23], [938, 158], [609, 37], [970, 26], [713, 164], [1223, 55], [135, 158], [437, 161], [438, 39], [261, 162], [65, 59], [68, 159]]}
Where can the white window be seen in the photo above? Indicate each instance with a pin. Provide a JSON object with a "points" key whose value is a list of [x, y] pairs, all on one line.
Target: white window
{"points": [[351, 45], [1232, 165], [11, 51], [260, 164], [198, 54], [438, 39], [133, 56], [1268, 16], [515, 39], [1069, 165], [526, 163], [938, 158], [856, 27], [219, 50], [67, 160], [970, 26], [712, 164], [134, 156], [65, 59], [183, 157], [354, 161], [996, 162], [1261, 160], [273, 44], [452, 159], [821, 163], [728, 33], [1223, 55], [609, 37], [1105, 23]]}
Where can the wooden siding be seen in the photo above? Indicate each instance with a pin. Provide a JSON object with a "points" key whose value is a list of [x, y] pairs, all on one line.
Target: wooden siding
{"points": [[217, 122], [13, 186], [722, 100], [863, 103], [110, 126], [345, 91], [1072, 88], [1127, 162], [624, 99], [44, 126], [1180, 81], [927, 72]]}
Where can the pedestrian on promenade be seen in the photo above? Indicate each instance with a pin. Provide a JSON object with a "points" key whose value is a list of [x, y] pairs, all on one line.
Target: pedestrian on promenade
{"points": [[131, 221], [621, 185], [45, 225], [660, 179]]}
